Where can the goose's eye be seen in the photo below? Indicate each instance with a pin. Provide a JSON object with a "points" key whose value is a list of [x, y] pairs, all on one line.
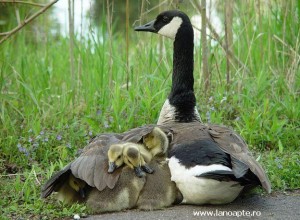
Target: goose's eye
{"points": [[165, 19]]}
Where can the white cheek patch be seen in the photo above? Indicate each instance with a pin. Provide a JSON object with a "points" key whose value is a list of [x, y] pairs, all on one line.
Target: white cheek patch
{"points": [[170, 30]]}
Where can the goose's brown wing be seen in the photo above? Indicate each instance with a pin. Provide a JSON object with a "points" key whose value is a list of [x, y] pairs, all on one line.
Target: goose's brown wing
{"points": [[91, 165], [235, 146]]}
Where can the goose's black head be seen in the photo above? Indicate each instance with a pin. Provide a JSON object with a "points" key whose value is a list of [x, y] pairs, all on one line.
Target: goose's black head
{"points": [[166, 23]]}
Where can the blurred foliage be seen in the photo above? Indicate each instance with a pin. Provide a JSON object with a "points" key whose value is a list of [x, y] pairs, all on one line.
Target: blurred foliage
{"points": [[12, 14]]}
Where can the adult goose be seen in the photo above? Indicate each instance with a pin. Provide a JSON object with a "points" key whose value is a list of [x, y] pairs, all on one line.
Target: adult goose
{"points": [[210, 164]]}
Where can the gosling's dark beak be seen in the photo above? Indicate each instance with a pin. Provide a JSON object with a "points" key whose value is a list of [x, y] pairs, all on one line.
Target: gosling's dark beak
{"points": [[111, 167], [139, 172], [82, 193], [146, 27]]}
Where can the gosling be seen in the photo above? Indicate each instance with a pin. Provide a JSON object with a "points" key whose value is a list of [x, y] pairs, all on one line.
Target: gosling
{"points": [[157, 142], [115, 157], [73, 190], [136, 157]]}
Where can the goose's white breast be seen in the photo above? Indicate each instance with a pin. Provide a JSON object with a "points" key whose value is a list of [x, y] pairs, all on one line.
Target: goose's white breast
{"points": [[198, 190]]}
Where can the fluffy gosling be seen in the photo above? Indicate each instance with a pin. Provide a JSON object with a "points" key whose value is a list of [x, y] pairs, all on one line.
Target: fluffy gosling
{"points": [[115, 157], [73, 190], [156, 141]]}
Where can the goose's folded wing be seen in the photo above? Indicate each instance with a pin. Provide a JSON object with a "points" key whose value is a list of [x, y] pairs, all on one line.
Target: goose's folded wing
{"points": [[242, 158]]}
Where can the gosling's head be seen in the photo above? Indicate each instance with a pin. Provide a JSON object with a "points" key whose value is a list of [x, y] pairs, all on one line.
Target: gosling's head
{"points": [[156, 141], [132, 155], [132, 158], [115, 157], [78, 185]]}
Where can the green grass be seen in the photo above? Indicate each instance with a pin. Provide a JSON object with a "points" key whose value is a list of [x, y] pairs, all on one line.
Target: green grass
{"points": [[46, 116]]}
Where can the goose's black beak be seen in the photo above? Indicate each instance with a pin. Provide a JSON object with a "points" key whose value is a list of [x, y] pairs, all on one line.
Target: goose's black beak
{"points": [[149, 27], [111, 167]]}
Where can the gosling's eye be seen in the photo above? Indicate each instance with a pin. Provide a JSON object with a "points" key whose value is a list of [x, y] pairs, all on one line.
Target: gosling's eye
{"points": [[165, 19], [75, 183], [119, 157]]}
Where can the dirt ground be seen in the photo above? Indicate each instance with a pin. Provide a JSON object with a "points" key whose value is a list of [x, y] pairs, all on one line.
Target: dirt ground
{"points": [[277, 205]]}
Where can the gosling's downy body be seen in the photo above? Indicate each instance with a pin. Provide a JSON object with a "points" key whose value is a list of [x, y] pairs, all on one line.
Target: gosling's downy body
{"points": [[123, 196], [159, 191]]}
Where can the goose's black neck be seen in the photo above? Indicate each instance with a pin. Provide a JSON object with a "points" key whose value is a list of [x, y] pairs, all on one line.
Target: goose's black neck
{"points": [[182, 95]]}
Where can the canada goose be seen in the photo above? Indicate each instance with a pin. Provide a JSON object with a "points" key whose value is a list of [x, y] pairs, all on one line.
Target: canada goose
{"points": [[210, 164], [180, 105]]}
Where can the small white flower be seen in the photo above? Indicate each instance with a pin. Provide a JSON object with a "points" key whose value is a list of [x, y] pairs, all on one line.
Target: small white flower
{"points": [[76, 216]]}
